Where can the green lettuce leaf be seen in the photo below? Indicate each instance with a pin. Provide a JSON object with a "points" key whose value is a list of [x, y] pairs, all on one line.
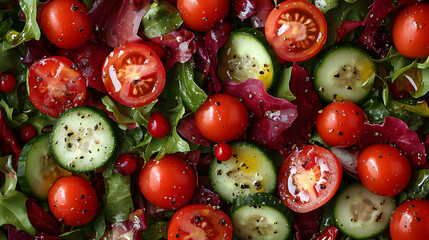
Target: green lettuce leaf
{"points": [[13, 121], [161, 19], [155, 231]]}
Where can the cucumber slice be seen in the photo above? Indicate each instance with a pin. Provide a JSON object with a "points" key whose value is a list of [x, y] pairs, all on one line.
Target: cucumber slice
{"points": [[247, 54], [249, 170], [83, 139], [362, 214], [37, 168], [261, 216], [344, 72]]}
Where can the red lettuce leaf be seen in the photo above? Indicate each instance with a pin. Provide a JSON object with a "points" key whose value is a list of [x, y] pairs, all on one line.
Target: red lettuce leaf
{"points": [[308, 106], [307, 224], [244, 8], [270, 116], [346, 27], [15, 234], [263, 9], [135, 224], [34, 51], [122, 24], [330, 233], [8, 141], [41, 220], [100, 10], [179, 47], [203, 195], [188, 130], [90, 61], [395, 131], [380, 9]]}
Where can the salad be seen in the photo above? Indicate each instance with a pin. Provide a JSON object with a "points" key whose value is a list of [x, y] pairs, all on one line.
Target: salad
{"points": [[195, 119]]}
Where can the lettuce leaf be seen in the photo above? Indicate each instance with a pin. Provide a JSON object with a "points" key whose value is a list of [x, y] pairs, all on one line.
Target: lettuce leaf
{"points": [[161, 18]]}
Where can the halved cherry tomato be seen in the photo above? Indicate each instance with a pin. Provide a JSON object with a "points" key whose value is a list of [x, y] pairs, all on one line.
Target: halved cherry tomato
{"points": [[296, 29], [383, 169], [411, 31], [202, 15], [66, 23], [308, 178], [340, 124], [133, 75], [168, 182], [410, 220], [55, 85], [73, 200], [199, 221], [222, 118]]}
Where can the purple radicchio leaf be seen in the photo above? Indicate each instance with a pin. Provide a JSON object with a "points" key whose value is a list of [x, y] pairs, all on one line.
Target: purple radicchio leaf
{"points": [[244, 8], [188, 130], [395, 131], [270, 116], [179, 47], [263, 9], [41, 220], [203, 195], [308, 106]]}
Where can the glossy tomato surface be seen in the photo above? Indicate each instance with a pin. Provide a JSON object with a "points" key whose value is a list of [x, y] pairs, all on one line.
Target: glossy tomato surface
{"points": [[168, 182], [296, 29], [133, 75], [410, 220], [411, 31], [158, 126], [383, 169], [199, 221], [202, 15], [222, 118], [7, 82], [309, 178], [66, 23], [340, 124], [55, 85], [73, 200]]}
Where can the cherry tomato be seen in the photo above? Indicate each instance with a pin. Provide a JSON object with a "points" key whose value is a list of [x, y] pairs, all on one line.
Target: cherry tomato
{"points": [[296, 29], [308, 178], [125, 164], [133, 75], [158, 126], [73, 200], [27, 132], [168, 182], [7, 83], [66, 23], [383, 169], [222, 118], [199, 221], [56, 85], [201, 15], [340, 124], [410, 220], [411, 31], [223, 152]]}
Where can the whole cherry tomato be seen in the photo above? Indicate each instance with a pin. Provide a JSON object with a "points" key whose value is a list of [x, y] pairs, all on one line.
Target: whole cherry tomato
{"points": [[201, 15]]}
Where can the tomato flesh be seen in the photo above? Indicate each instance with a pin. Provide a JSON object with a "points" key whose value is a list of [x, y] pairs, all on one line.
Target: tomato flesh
{"points": [[309, 178], [199, 221], [133, 75], [296, 29], [55, 85]]}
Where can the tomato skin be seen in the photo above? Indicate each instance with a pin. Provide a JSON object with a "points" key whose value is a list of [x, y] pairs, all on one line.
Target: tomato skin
{"points": [[158, 126], [223, 151], [168, 183], [133, 75], [199, 221], [66, 23], [7, 82], [222, 118], [27, 132], [308, 178], [340, 124], [410, 220], [55, 85], [299, 40], [383, 169], [125, 164], [73, 200], [202, 15], [410, 31]]}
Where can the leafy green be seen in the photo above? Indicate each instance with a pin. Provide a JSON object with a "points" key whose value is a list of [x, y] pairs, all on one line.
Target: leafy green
{"points": [[418, 187], [172, 143], [161, 19], [13, 121], [409, 111], [31, 29], [40, 121], [78, 233], [155, 231], [99, 224], [10, 60], [283, 90], [180, 82], [117, 201], [12, 202], [375, 110], [2, 235], [122, 113]]}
